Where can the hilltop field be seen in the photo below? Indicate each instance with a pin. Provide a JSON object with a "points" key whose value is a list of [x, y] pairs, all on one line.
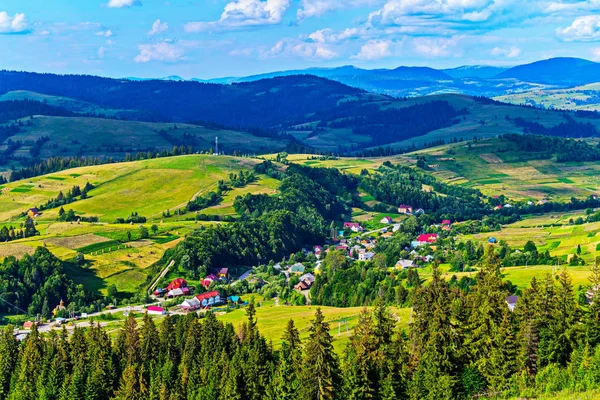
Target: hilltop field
{"points": [[148, 187]]}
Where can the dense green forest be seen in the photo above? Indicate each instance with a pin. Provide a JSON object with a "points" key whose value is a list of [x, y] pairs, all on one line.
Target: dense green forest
{"points": [[463, 341], [271, 227], [37, 283], [550, 146]]}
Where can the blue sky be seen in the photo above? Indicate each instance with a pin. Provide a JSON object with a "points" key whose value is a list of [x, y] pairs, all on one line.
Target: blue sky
{"points": [[215, 38]]}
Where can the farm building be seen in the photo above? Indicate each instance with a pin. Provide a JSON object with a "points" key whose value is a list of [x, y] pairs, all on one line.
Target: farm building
{"points": [[386, 220], [33, 212], [405, 209], [511, 301], [405, 264], [235, 300], [297, 269], [353, 226], [184, 291], [209, 299], [209, 279], [221, 272], [492, 240], [155, 310], [368, 256], [306, 281], [191, 304], [427, 238]]}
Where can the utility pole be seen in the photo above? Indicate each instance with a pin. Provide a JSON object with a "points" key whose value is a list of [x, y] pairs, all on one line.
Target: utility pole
{"points": [[217, 145]]}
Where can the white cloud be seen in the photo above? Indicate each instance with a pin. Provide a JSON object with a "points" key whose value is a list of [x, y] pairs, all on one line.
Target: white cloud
{"points": [[395, 12], [123, 3], [596, 54], [510, 52], [297, 48], [107, 33], [374, 50], [241, 13], [317, 8], [163, 51], [15, 24], [329, 36], [158, 27], [101, 52], [437, 47], [583, 29]]}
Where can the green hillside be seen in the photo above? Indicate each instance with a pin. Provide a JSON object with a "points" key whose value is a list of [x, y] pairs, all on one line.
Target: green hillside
{"points": [[497, 167], [98, 137], [585, 97]]}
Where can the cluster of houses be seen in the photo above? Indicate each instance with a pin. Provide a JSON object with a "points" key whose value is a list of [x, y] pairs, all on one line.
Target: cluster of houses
{"points": [[177, 288], [218, 275], [408, 210]]}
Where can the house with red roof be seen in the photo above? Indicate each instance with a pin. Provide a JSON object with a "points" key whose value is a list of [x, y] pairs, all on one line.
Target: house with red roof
{"points": [[353, 226], [156, 310], [386, 220], [447, 222], [209, 279], [177, 283], [209, 299], [427, 238], [405, 209]]}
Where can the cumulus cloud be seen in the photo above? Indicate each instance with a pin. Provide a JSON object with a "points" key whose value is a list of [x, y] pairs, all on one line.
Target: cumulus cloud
{"points": [[396, 12], [596, 54], [510, 52], [374, 50], [123, 3], [583, 29], [13, 24], [242, 13], [158, 27], [437, 47], [107, 33], [101, 52], [317, 8], [298, 48], [328, 35], [162, 51]]}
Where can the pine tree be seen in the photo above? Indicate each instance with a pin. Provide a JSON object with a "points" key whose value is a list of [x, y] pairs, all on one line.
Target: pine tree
{"points": [[362, 360], [29, 369], [287, 380], [130, 384], [8, 359], [321, 378], [592, 319]]}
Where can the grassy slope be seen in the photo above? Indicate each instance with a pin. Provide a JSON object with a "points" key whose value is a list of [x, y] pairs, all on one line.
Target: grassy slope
{"points": [[272, 320], [492, 115], [148, 187], [91, 136], [495, 167], [559, 98]]}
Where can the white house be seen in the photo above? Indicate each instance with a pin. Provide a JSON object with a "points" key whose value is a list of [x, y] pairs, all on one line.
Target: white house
{"points": [[368, 256], [404, 264]]}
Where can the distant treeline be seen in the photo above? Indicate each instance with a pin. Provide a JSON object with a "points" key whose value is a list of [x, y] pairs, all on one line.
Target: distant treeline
{"points": [[569, 128], [564, 149]]}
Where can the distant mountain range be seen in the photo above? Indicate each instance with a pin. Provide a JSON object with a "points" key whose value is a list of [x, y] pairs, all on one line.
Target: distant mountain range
{"points": [[487, 81]]}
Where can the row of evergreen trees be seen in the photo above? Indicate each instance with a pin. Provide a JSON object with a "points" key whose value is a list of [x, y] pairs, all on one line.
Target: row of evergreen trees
{"points": [[462, 342]]}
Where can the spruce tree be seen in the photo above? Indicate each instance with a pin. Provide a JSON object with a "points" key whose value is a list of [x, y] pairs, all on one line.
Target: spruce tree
{"points": [[321, 378], [287, 380], [592, 319], [8, 359]]}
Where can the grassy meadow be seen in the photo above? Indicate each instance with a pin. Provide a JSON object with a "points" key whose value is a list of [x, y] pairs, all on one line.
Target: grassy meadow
{"points": [[272, 320], [496, 168]]}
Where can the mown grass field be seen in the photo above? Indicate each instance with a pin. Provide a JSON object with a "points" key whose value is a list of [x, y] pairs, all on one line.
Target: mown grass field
{"points": [[148, 187], [496, 168], [576, 98], [272, 320]]}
